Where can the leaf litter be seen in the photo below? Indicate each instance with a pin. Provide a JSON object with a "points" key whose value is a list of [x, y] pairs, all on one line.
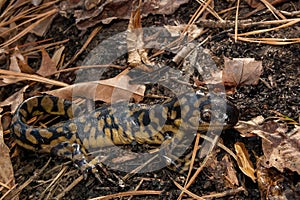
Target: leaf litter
{"points": [[279, 143]]}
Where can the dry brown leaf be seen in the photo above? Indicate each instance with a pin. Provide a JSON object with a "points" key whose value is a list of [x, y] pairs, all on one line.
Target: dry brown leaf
{"points": [[14, 100], [43, 26], [246, 127], [47, 67], [14, 65], [244, 161], [253, 3], [193, 31], [57, 56], [109, 90], [273, 184], [88, 12], [6, 173], [18, 63], [282, 149], [137, 56], [241, 71], [231, 172]]}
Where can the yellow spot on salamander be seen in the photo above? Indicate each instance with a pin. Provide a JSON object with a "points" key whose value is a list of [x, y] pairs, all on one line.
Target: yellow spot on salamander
{"points": [[24, 145], [85, 143], [177, 122], [73, 128], [173, 114], [47, 104], [184, 111], [59, 129], [61, 107], [45, 133], [109, 121], [23, 112], [30, 137], [86, 127], [101, 124], [140, 118], [82, 119], [92, 138], [70, 112], [32, 103], [107, 132]]}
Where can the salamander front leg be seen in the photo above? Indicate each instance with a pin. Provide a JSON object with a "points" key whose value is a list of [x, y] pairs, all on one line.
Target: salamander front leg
{"points": [[74, 153]]}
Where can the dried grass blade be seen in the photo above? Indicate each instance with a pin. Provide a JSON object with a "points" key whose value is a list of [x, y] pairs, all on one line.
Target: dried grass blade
{"points": [[26, 30], [290, 23], [32, 77]]}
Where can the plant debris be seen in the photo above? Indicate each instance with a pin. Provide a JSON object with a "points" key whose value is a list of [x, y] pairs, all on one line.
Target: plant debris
{"points": [[89, 13], [253, 46]]}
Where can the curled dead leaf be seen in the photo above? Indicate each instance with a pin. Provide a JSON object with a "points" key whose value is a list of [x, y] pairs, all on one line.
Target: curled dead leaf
{"points": [[281, 148], [193, 30], [243, 160], [14, 100], [273, 184], [48, 66], [137, 55], [6, 173], [109, 90], [246, 127]]}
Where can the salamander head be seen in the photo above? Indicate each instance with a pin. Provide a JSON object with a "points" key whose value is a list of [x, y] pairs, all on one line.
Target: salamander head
{"points": [[217, 112]]}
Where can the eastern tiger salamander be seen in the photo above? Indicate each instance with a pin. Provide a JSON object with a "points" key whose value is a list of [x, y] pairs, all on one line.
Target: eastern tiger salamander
{"points": [[117, 124]]}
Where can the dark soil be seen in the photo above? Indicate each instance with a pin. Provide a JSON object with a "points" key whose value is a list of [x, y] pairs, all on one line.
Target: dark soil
{"points": [[280, 69]]}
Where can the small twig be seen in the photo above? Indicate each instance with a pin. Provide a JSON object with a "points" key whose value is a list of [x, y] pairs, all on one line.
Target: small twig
{"points": [[271, 41], [136, 170], [289, 23], [53, 183], [225, 193], [129, 193], [137, 187], [291, 14], [273, 10], [35, 49], [236, 20], [195, 150], [261, 7], [199, 169], [32, 77], [88, 67], [242, 24], [70, 187], [184, 190], [13, 192], [40, 18], [266, 83]]}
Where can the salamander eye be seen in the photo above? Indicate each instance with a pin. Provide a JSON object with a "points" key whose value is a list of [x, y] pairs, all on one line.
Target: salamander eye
{"points": [[206, 115]]}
